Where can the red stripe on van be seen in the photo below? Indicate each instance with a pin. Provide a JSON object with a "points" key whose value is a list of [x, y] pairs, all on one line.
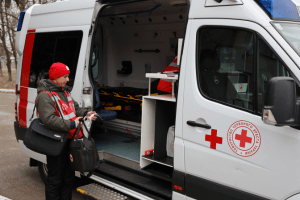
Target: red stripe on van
{"points": [[25, 78], [22, 113], [22, 107], [27, 59], [31, 31]]}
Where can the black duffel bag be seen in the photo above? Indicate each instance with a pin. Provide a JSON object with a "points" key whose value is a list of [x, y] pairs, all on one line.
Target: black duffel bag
{"points": [[42, 140], [83, 153]]}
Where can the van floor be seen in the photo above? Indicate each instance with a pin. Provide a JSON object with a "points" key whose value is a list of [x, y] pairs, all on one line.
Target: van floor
{"points": [[118, 145]]}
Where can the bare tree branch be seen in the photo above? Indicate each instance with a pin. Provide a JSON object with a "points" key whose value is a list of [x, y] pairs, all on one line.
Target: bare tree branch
{"points": [[3, 39], [6, 13]]}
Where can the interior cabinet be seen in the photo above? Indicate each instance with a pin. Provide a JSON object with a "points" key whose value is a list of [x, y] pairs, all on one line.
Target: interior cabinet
{"points": [[158, 114]]}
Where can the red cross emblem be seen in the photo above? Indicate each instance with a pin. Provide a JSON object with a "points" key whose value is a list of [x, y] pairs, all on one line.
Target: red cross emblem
{"points": [[213, 139], [243, 138]]}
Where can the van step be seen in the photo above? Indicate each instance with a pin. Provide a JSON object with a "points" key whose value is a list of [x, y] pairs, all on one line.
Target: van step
{"points": [[159, 170], [136, 180], [97, 191]]}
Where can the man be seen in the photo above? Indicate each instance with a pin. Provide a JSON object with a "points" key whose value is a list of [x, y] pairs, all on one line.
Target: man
{"points": [[60, 175]]}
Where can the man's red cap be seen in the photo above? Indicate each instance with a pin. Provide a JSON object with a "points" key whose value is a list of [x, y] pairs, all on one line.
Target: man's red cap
{"points": [[57, 70]]}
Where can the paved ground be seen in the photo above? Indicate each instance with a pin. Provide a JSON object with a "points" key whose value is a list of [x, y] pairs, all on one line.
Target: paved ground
{"points": [[18, 181]]}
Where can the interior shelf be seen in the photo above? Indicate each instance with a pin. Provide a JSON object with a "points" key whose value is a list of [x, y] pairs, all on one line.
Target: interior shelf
{"points": [[167, 161], [167, 97], [162, 76]]}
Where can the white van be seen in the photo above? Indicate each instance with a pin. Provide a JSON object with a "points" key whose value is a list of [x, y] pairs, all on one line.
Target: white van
{"points": [[230, 51]]}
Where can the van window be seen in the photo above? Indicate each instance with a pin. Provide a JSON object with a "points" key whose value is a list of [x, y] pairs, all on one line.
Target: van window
{"points": [[53, 47], [268, 66], [225, 65], [95, 62]]}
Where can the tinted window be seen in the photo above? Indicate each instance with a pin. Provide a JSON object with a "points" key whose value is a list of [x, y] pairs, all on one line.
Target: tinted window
{"points": [[53, 47], [95, 62], [268, 66], [225, 65]]}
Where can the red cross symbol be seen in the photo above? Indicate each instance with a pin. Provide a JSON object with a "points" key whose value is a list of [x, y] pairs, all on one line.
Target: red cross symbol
{"points": [[213, 139], [243, 138]]}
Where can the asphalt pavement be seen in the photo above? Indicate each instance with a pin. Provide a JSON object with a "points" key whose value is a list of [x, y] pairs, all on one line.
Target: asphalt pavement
{"points": [[18, 181]]}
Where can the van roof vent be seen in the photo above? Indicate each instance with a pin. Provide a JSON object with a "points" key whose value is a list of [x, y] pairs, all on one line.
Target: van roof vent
{"points": [[210, 3]]}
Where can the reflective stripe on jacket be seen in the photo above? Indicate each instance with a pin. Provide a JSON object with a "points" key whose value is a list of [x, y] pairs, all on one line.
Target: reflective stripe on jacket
{"points": [[68, 111]]}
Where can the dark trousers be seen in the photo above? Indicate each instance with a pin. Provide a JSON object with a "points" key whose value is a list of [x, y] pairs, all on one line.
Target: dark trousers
{"points": [[60, 176]]}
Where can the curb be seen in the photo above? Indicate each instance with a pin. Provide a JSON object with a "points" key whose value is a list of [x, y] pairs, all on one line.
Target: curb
{"points": [[7, 90]]}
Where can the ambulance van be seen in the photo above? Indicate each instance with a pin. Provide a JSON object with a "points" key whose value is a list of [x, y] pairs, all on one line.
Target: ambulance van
{"points": [[232, 100]]}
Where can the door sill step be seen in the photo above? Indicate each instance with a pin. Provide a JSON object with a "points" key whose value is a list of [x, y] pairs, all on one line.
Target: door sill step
{"points": [[135, 180], [99, 192]]}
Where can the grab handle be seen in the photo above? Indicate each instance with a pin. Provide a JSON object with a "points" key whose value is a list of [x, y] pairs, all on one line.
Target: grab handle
{"points": [[193, 123]]}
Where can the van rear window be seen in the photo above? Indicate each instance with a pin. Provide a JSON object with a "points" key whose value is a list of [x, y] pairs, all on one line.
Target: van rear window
{"points": [[53, 47]]}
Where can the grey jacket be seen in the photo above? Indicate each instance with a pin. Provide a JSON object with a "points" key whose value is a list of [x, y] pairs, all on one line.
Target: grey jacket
{"points": [[46, 109]]}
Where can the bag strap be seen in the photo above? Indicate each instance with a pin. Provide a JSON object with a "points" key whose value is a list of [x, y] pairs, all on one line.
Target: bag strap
{"points": [[32, 113], [77, 130], [81, 121], [55, 104]]}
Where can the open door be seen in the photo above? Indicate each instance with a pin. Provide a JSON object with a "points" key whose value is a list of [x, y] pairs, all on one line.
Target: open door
{"points": [[56, 32]]}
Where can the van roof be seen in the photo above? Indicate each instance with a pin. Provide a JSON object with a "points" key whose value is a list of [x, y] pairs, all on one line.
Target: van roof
{"points": [[247, 10]]}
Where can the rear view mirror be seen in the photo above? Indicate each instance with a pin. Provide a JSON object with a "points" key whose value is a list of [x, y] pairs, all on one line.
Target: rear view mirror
{"points": [[280, 102]]}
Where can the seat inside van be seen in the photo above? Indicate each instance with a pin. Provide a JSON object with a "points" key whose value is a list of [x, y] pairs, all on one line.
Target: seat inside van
{"points": [[131, 40]]}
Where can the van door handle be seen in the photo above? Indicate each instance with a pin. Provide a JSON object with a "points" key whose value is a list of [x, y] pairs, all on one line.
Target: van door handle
{"points": [[193, 123]]}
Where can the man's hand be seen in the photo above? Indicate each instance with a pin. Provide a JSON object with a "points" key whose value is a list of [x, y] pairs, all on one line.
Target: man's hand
{"points": [[77, 121], [89, 114]]}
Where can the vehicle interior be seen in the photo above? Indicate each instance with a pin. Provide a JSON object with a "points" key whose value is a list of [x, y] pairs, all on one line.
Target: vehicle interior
{"points": [[129, 41]]}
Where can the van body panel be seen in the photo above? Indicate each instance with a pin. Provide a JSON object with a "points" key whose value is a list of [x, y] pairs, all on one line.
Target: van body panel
{"points": [[31, 154], [62, 14], [181, 88], [179, 143], [25, 76], [249, 11], [63, 6], [62, 19], [177, 196], [179, 155], [21, 35], [275, 163]]}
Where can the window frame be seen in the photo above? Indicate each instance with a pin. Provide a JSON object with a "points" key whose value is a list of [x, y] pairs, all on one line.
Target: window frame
{"points": [[257, 36], [97, 58], [282, 35], [58, 34], [198, 76], [292, 75]]}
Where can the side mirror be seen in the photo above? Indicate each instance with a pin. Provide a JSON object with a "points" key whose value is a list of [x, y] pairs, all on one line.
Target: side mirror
{"points": [[280, 107]]}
